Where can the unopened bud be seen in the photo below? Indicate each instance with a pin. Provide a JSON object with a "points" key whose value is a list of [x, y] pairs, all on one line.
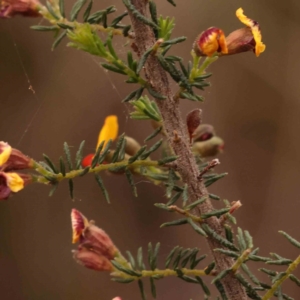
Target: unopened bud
{"points": [[132, 146], [193, 120], [210, 147], [92, 260], [28, 8], [203, 133], [117, 298], [100, 241]]}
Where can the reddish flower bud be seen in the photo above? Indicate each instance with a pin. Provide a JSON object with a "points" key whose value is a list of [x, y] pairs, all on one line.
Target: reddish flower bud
{"points": [[96, 249], [117, 298], [29, 8], [100, 241], [193, 120], [17, 161], [92, 260], [204, 132]]}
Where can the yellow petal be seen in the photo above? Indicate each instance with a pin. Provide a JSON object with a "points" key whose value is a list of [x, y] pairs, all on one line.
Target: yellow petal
{"points": [[109, 130], [259, 45], [5, 154], [79, 223], [14, 182]]}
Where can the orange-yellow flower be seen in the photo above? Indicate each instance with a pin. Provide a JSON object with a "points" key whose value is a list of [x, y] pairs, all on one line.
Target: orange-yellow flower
{"points": [[109, 131], [212, 41], [253, 25], [10, 182]]}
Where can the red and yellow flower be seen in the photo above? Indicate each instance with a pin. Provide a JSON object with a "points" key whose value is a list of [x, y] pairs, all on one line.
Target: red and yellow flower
{"points": [[109, 131], [213, 41]]}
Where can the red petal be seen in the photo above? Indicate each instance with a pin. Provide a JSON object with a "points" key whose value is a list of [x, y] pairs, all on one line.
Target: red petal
{"points": [[87, 161]]}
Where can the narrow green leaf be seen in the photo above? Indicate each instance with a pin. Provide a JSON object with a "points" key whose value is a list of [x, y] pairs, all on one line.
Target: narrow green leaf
{"points": [[102, 187], [214, 179], [136, 156], [214, 197], [84, 171], [129, 177], [58, 40], [197, 228], [154, 134], [141, 287], [140, 258], [221, 290], [174, 223], [210, 232], [71, 188], [87, 12], [51, 11], [44, 28], [113, 69], [76, 9], [185, 196], [155, 94], [78, 157], [143, 59], [130, 96], [174, 198], [196, 203], [166, 160], [62, 166], [174, 41], [104, 152], [53, 189], [216, 213], [209, 268], [170, 256], [153, 288], [95, 159], [172, 2], [250, 274], [125, 270], [123, 280], [151, 149], [62, 8], [290, 239], [131, 259], [118, 19], [51, 164], [203, 285], [64, 26]]}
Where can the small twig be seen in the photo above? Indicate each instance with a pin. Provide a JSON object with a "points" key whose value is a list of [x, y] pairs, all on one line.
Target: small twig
{"points": [[185, 213], [211, 165]]}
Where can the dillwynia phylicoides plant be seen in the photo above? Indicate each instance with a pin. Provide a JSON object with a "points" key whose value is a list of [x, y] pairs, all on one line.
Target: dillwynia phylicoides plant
{"points": [[186, 167]]}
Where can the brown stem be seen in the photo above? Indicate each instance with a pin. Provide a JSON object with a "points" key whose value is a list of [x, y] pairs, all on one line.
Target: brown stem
{"points": [[177, 136]]}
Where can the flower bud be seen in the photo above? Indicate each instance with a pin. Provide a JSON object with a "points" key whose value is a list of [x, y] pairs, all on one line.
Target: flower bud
{"points": [[117, 298], [29, 8], [132, 146], [203, 132], [96, 249], [193, 121], [17, 161], [92, 260], [209, 147], [210, 41]]}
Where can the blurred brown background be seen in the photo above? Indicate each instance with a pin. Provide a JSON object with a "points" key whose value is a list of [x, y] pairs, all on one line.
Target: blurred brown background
{"points": [[253, 104]]}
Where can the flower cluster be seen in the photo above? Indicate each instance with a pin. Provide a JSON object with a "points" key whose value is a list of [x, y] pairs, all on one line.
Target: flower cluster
{"points": [[95, 250], [12, 160], [29, 8], [213, 40]]}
